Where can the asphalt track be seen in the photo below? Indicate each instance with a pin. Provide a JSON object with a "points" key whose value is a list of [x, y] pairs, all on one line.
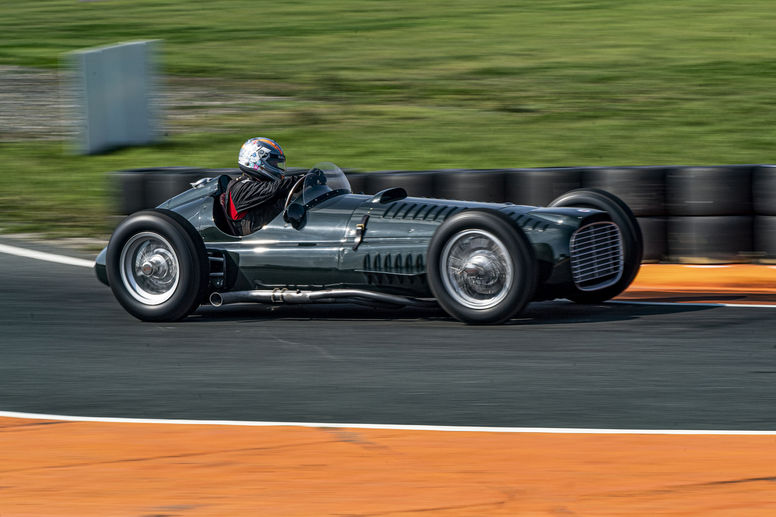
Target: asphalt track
{"points": [[69, 348]]}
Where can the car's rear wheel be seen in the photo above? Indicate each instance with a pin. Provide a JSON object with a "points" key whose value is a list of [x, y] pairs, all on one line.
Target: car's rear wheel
{"points": [[157, 266], [481, 267], [632, 240]]}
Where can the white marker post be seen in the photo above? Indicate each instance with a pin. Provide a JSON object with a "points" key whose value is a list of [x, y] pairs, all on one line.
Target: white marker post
{"points": [[114, 92]]}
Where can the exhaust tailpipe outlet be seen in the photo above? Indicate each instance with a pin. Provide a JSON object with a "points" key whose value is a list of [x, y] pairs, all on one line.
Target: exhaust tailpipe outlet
{"points": [[216, 300]]}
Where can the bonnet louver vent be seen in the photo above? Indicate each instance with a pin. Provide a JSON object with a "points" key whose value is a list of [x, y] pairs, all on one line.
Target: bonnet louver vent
{"points": [[420, 211], [528, 223]]}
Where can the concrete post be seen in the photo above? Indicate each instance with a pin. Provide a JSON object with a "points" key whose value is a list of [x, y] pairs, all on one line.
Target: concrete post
{"points": [[114, 91]]}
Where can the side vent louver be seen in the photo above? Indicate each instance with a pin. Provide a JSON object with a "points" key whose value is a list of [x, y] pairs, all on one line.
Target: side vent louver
{"points": [[217, 263], [402, 264]]}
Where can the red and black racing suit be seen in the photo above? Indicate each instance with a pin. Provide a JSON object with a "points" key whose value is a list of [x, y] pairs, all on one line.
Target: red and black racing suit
{"points": [[251, 203]]}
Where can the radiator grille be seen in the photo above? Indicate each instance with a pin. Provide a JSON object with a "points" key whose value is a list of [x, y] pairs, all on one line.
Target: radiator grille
{"points": [[596, 256]]}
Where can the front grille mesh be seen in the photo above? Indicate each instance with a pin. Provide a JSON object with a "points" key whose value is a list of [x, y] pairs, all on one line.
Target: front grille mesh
{"points": [[596, 256]]}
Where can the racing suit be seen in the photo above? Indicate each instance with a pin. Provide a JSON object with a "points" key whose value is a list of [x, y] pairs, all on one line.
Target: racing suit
{"points": [[251, 203]]}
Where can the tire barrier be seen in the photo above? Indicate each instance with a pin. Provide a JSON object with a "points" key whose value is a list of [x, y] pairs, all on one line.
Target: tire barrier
{"points": [[466, 185], [710, 211], [686, 214], [642, 188], [653, 230], [129, 189], [419, 184], [538, 187], [709, 190], [765, 238], [139, 189], [710, 239], [764, 190], [161, 185], [358, 183]]}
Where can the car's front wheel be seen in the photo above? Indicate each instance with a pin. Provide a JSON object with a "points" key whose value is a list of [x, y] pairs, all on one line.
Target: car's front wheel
{"points": [[481, 267], [157, 266]]}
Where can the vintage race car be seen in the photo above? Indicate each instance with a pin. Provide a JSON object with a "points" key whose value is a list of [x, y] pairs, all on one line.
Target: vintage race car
{"points": [[481, 262]]}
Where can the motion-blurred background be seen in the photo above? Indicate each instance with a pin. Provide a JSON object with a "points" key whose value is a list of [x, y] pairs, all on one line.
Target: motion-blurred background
{"points": [[389, 84]]}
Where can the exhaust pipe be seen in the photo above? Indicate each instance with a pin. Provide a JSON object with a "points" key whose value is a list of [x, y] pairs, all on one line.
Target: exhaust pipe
{"points": [[323, 296]]}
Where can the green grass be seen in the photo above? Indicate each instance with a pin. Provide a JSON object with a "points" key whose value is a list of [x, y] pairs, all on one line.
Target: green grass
{"points": [[394, 84]]}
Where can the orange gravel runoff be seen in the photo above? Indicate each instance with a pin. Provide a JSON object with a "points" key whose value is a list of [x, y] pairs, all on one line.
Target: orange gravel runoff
{"points": [[63, 468], [729, 284]]}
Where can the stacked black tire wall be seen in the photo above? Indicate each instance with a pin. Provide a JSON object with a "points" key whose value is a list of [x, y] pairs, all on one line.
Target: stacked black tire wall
{"points": [[711, 216], [643, 190], [419, 184], [764, 202], [539, 186], [164, 184], [357, 182], [470, 185], [140, 189], [129, 189]]}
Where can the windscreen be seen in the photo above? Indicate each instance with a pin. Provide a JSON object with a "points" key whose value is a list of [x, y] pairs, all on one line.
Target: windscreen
{"points": [[323, 178]]}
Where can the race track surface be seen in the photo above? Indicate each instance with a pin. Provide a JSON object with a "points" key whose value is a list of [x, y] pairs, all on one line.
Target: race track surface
{"points": [[69, 348]]}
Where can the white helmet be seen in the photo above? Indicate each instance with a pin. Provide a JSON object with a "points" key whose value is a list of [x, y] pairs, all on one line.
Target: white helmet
{"points": [[262, 158]]}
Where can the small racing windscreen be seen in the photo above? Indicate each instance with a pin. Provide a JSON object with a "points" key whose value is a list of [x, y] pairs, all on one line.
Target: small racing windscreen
{"points": [[323, 178]]}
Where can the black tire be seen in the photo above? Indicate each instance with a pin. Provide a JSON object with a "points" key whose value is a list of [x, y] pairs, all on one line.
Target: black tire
{"points": [[764, 190], [765, 236], [176, 280], [537, 187], [654, 231], [164, 183], [710, 239], [505, 251], [419, 184], [632, 240], [486, 186], [694, 191], [129, 191], [357, 183], [641, 188]]}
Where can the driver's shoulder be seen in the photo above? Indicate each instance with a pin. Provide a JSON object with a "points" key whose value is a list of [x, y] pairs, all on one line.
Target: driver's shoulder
{"points": [[239, 180], [290, 181]]}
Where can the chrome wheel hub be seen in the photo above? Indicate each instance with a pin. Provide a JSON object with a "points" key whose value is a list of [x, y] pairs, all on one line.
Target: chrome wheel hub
{"points": [[149, 268], [476, 269], [156, 266], [483, 272]]}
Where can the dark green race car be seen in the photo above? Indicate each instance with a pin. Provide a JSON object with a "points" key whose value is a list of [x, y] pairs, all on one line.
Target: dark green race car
{"points": [[481, 262]]}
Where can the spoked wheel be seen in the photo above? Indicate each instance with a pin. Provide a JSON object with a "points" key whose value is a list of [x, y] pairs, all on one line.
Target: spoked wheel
{"points": [[476, 269], [481, 267], [157, 266], [632, 240], [150, 270]]}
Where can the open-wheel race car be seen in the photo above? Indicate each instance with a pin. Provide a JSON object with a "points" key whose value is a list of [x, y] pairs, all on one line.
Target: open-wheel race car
{"points": [[481, 262]]}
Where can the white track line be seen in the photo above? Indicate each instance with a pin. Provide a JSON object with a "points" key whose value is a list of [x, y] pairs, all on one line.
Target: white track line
{"points": [[449, 428], [48, 257], [709, 304]]}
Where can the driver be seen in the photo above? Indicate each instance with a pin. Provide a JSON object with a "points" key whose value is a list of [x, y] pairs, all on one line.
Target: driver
{"points": [[258, 196]]}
